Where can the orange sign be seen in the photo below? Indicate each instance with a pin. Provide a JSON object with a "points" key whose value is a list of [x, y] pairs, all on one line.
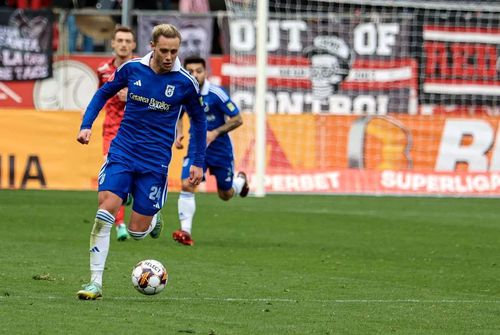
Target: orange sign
{"points": [[305, 153], [38, 150], [403, 154]]}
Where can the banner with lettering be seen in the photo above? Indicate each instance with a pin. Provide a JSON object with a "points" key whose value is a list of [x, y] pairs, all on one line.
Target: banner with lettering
{"points": [[343, 65], [25, 44], [196, 32], [398, 154], [403, 154], [461, 63], [38, 150]]}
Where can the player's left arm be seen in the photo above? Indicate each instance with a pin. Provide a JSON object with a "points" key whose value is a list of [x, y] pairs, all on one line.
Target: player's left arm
{"points": [[233, 121]]}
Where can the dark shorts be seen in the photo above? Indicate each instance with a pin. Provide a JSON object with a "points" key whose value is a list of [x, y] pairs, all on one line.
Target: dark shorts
{"points": [[223, 172], [122, 176]]}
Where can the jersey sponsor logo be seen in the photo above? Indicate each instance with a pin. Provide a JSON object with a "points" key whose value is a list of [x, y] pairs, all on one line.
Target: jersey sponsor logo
{"points": [[158, 105], [169, 90], [201, 101], [138, 98], [138, 83], [152, 102]]}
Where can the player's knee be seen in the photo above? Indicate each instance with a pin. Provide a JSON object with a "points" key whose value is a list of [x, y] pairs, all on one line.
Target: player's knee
{"points": [[110, 202], [225, 195]]}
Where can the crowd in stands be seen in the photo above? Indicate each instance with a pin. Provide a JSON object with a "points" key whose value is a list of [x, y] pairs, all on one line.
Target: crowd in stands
{"points": [[78, 42]]}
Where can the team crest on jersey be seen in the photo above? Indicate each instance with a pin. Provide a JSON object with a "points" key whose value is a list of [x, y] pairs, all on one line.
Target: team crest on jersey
{"points": [[169, 91]]}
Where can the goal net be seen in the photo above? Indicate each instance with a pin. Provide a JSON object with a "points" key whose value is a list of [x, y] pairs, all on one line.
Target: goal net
{"points": [[372, 97]]}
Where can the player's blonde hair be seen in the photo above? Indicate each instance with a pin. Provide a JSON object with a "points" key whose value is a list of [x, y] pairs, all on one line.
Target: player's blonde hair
{"points": [[166, 30]]}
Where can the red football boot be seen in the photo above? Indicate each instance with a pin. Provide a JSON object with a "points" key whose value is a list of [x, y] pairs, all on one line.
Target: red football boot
{"points": [[182, 237]]}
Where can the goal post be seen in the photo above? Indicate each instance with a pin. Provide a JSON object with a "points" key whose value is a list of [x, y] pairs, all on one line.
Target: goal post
{"points": [[367, 97], [260, 98]]}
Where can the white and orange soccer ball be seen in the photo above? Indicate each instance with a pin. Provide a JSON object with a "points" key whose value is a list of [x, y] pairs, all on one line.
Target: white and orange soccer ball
{"points": [[149, 277]]}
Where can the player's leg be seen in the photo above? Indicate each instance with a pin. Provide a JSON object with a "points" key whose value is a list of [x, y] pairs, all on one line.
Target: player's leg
{"points": [[114, 183], [99, 244], [109, 204], [227, 185], [150, 193], [186, 207], [120, 226]]}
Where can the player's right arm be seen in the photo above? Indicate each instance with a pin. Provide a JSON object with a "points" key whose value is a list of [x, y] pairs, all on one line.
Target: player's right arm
{"points": [[108, 90]]}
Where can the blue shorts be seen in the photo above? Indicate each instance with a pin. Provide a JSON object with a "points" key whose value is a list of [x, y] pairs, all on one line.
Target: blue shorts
{"points": [[122, 176], [223, 173]]}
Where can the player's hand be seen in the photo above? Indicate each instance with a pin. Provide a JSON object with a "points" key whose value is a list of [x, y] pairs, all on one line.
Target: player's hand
{"points": [[84, 136], [211, 136], [178, 141], [195, 175], [122, 94]]}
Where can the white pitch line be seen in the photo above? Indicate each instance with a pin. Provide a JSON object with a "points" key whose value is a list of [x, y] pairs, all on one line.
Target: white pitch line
{"points": [[332, 301]]}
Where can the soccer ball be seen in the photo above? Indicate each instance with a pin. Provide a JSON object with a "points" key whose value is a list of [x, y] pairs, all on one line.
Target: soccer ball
{"points": [[149, 277]]}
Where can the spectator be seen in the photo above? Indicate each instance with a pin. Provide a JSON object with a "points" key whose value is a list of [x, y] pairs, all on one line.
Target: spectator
{"points": [[76, 40], [194, 6]]}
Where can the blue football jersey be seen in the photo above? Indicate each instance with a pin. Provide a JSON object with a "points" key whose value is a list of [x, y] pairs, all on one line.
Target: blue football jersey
{"points": [[218, 104], [153, 106]]}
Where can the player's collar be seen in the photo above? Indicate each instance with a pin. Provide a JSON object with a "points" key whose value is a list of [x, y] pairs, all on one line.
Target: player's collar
{"points": [[205, 88], [177, 64]]}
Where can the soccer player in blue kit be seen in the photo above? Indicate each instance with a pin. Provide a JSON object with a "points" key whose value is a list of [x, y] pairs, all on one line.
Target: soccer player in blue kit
{"points": [[222, 117], [140, 153]]}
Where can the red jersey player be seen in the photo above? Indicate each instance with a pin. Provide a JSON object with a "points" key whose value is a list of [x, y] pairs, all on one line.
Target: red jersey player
{"points": [[123, 44]]}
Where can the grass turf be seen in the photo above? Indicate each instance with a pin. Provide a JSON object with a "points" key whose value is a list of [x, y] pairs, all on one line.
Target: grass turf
{"points": [[276, 265]]}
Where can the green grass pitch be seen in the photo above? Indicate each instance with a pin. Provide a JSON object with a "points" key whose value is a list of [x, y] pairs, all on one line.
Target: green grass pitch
{"points": [[273, 265]]}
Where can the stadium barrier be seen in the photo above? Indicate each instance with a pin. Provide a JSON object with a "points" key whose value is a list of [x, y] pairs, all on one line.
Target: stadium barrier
{"points": [[361, 100], [38, 150]]}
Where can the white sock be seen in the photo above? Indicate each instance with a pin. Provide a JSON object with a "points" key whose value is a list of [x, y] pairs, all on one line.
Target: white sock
{"points": [[238, 183], [186, 209], [139, 235], [99, 244]]}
